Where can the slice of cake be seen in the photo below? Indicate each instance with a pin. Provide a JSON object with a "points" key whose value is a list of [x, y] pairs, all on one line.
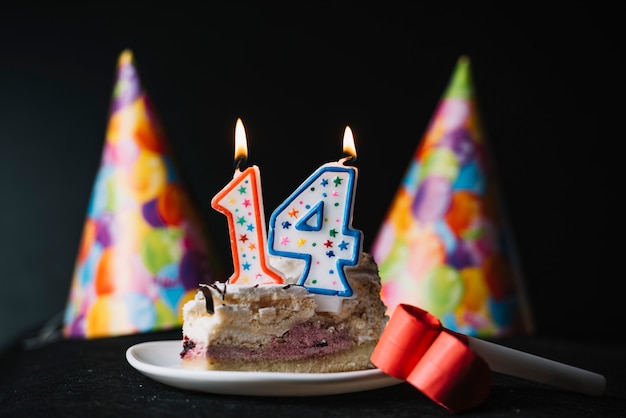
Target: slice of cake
{"points": [[284, 328]]}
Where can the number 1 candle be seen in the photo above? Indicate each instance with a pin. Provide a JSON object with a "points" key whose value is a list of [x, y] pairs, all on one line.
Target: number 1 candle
{"points": [[314, 224], [242, 203]]}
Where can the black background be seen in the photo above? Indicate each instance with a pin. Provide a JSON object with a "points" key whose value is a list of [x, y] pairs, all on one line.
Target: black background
{"points": [[549, 84]]}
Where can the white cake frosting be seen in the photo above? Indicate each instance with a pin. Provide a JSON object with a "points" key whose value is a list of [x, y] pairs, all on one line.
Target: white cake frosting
{"points": [[200, 326]]}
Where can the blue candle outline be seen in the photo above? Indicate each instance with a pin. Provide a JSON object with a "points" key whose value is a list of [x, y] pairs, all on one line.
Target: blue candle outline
{"points": [[303, 225]]}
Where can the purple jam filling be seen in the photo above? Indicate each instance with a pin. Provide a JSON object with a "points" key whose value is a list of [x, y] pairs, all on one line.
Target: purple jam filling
{"points": [[302, 341], [188, 346]]}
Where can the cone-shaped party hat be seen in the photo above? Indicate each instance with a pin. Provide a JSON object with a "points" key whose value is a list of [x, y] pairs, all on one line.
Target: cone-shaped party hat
{"points": [[143, 249], [444, 245]]}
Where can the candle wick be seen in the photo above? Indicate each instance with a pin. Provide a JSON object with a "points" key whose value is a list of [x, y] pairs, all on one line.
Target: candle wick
{"points": [[240, 162], [348, 158]]}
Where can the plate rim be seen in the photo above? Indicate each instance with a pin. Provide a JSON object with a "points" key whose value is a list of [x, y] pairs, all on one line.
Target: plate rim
{"points": [[189, 379]]}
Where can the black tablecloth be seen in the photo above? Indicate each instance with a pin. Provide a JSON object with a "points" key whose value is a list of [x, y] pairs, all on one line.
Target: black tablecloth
{"points": [[93, 378]]}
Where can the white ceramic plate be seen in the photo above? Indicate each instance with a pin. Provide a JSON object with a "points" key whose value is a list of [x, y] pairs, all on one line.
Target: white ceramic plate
{"points": [[160, 361]]}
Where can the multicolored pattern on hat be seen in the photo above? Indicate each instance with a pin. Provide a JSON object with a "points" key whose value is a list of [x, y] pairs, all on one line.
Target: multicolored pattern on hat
{"points": [[444, 244], [143, 250]]}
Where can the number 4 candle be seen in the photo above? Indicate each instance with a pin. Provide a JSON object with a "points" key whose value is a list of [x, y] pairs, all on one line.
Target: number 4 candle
{"points": [[242, 203], [314, 224]]}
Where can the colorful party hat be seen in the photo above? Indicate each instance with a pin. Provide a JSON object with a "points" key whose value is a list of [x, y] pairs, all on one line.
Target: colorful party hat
{"points": [[143, 250], [444, 244]]}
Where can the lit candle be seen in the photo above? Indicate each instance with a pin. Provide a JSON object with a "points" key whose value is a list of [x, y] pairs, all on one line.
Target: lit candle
{"points": [[242, 203], [315, 225]]}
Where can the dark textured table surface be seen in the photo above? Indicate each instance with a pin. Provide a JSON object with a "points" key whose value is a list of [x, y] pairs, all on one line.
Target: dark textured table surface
{"points": [[93, 378]]}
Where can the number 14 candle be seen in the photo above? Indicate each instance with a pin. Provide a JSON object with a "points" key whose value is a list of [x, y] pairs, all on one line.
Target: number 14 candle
{"points": [[242, 203], [314, 224]]}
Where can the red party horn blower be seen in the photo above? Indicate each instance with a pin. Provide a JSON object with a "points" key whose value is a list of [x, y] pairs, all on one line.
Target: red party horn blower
{"points": [[143, 250], [444, 244], [454, 370]]}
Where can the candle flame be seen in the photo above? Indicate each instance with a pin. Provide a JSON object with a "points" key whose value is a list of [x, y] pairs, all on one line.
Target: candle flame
{"points": [[348, 143], [241, 143]]}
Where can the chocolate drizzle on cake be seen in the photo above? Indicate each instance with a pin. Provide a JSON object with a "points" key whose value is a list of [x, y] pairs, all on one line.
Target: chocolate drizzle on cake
{"points": [[218, 290], [287, 286], [208, 298]]}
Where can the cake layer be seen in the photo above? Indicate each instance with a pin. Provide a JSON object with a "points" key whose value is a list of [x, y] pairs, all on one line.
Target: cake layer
{"points": [[354, 359]]}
